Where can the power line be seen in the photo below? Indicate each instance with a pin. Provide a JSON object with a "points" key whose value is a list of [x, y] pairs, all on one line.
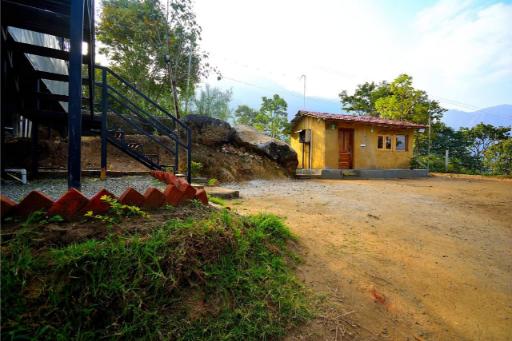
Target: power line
{"points": [[332, 71]]}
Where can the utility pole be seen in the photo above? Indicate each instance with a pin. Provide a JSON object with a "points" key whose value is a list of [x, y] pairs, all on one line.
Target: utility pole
{"points": [[188, 77], [167, 59], [301, 77], [446, 158], [429, 135]]}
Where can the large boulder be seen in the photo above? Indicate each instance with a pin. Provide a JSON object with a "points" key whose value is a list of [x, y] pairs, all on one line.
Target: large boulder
{"points": [[276, 150], [208, 130]]}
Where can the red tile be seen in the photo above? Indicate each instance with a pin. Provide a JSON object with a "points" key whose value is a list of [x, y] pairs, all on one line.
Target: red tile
{"points": [[132, 197], [153, 198], [160, 175], [6, 206], [201, 196], [171, 179], [70, 205], [188, 191], [173, 195], [96, 205], [34, 201]]}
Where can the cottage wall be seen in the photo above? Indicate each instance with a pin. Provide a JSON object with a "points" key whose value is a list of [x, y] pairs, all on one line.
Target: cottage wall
{"points": [[318, 144], [366, 155]]}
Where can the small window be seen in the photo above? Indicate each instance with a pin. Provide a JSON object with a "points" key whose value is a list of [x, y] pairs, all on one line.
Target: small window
{"points": [[384, 142], [401, 143], [388, 142]]}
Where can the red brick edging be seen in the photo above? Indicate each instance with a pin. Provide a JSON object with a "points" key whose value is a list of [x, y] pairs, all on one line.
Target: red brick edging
{"points": [[73, 204]]}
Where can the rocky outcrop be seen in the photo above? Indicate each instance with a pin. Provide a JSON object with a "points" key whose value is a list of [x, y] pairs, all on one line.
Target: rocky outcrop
{"points": [[209, 131], [276, 150]]}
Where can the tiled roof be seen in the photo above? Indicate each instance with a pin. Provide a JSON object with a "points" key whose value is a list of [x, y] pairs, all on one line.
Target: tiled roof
{"points": [[358, 119]]}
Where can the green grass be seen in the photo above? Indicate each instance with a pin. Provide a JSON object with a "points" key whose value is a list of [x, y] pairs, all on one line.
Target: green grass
{"points": [[225, 277], [217, 200]]}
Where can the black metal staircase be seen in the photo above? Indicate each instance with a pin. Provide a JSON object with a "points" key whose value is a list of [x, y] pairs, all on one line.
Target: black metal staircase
{"points": [[26, 89], [123, 100]]}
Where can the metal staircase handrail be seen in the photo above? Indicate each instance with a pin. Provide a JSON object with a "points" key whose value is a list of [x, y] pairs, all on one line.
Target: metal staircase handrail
{"points": [[127, 120], [139, 157], [137, 91], [147, 118]]}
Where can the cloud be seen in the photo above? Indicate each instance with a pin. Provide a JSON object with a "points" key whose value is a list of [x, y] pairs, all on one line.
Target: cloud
{"points": [[462, 47], [452, 48]]}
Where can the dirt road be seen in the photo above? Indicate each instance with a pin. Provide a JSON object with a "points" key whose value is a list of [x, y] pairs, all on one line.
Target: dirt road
{"points": [[420, 259]]}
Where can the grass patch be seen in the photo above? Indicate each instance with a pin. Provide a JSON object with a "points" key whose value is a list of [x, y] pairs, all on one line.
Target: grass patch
{"points": [[219, 277], [217, 200]]}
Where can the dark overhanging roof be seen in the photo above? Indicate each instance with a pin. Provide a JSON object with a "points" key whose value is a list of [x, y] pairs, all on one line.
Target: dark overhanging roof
{"points": [[365, 120], [44, 16]]}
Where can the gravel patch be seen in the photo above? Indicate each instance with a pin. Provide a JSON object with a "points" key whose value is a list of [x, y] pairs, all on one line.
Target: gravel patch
{"points": [[262, 188], [55, 188]]}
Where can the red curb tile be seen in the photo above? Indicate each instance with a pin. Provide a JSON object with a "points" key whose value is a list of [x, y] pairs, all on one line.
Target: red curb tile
{"points": [[188, 191], [153, 198], [173, 195], [96, 205], [6, 206], [132, 197], [34, 201], [201, 196], [70, 205], [160, 175], [171, 179]]}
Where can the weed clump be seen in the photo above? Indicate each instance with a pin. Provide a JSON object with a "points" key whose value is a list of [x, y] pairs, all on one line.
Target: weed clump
{"points": [[220, 277]]}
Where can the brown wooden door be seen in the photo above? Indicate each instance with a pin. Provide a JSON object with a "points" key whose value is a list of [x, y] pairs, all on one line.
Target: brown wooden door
{"points": [[346, 148]]}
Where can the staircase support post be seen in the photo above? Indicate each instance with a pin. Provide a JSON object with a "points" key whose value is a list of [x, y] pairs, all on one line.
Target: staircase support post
{"points": [[76, 28], [189, 155], [104, 106], [176, 155]]}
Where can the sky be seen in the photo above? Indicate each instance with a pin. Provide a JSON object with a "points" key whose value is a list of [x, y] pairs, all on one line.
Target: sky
{"points": [[460, 52]]}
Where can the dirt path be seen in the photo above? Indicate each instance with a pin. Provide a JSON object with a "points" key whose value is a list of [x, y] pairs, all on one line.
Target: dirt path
{"points": [[422, 259]]}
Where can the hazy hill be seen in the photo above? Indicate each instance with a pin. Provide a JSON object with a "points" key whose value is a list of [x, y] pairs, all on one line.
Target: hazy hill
{"points": [[500, 115]]}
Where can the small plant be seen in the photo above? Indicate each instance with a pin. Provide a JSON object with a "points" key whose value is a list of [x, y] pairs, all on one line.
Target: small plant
{"points": [[56, 219], [213, 182], [196, 168], [39, 217], [196, 203], [36, 217], [116, 212]]}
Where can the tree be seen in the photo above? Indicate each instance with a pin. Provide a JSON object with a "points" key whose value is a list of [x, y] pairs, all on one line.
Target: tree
{"points": [[407, 103], [213, 102], [245, 115], [362, 102], [444, 138], [398, 100], [498, 157], [137, 36], [481, 138], [273, 118]]}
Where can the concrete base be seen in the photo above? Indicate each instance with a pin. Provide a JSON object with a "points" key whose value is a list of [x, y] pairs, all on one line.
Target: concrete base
{"points": [[222, 192], [361, 173], [392, 173]]}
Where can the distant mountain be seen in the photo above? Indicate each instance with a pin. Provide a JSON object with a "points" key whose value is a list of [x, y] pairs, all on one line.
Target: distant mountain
{"points": [[500, 115], [250, 94]]}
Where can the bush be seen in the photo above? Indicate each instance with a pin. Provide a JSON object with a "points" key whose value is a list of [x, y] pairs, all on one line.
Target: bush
{"points": [[224, 277], [196, 168]]}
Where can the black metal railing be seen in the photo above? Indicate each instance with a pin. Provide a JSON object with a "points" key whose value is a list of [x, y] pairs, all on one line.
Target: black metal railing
{"points": [[123, 100]]}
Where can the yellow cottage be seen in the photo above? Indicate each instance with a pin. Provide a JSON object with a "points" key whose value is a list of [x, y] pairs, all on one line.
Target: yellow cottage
{"points": [[330, 144]]}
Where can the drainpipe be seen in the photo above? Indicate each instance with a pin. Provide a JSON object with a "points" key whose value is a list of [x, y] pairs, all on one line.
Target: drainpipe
{"points": [[310, 149]]}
